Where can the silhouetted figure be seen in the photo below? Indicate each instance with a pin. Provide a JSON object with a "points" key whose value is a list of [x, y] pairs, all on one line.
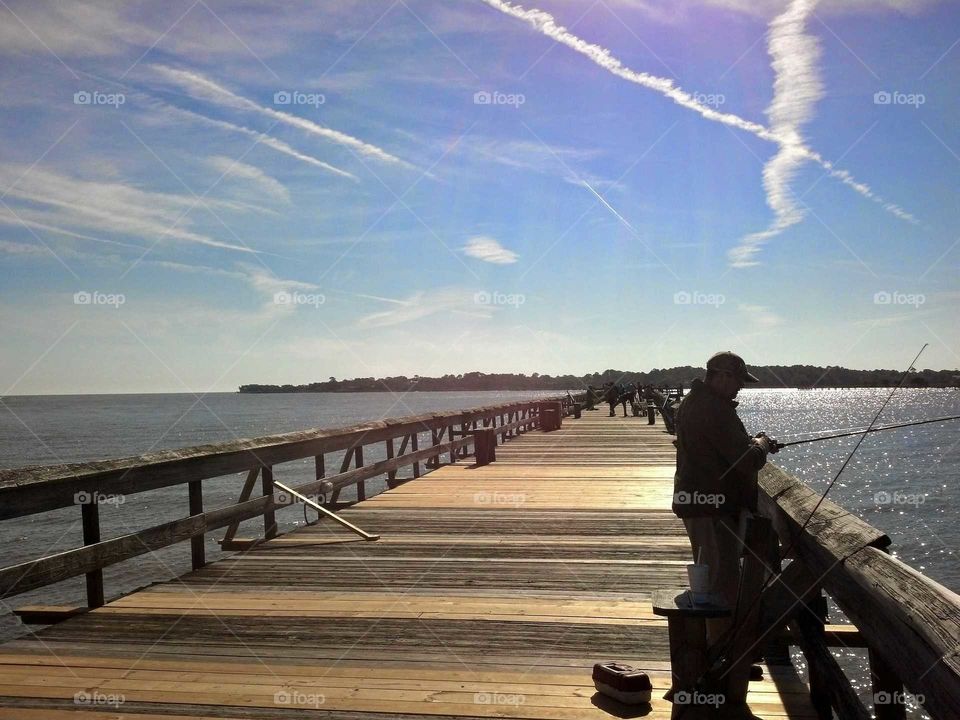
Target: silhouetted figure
{"points": [[627, 395], [716, 479], [612, 396]]}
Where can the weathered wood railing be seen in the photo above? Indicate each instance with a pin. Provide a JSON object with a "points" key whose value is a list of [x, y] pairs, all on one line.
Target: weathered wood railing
{"points": [[27, 491], [909, 623]]}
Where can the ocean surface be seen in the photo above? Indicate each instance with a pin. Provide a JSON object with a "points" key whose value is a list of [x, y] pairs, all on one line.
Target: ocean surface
{"points": [[904, 482]]}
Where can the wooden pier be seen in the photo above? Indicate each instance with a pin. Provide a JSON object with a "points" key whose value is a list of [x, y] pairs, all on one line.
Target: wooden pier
{"points": [[491, 592]]}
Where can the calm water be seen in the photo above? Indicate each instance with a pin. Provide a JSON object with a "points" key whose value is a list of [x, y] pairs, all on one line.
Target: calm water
{"points": [[902, 481]]}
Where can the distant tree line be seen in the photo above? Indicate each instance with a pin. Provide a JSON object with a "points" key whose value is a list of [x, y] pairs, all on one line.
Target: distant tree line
{"points": [[771, 376]]}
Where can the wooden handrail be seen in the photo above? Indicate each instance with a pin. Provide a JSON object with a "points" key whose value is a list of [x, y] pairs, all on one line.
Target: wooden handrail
{"points": [[38, 489], [24, 491], [909, 621]]}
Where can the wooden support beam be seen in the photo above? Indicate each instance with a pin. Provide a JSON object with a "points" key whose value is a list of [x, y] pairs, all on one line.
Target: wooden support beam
{"points": [[362, 484], [245, 494], [391, 474], [888, 697], [415, 447], [269, 517], [90, 513], [829, 686], [198, 557]]}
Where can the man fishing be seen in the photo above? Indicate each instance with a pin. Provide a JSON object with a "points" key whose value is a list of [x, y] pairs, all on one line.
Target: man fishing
{"points": [[715, 485]]}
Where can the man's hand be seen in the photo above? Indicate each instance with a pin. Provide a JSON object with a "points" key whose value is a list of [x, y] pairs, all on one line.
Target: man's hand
{"points": [[769, 445]]}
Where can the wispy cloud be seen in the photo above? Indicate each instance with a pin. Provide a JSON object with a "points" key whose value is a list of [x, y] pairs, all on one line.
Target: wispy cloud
{"points": [[796, 90], [545, 24], [538, 157], [760, 315], [206, 89], [489, 250], [262, 138], [669, 11], [9, 217], [72, 29], [427, 303], [254, 175], [66, 202]]}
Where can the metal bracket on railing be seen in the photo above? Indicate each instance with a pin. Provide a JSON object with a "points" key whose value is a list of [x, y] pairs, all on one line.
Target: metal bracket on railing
{"points": [[322, 510]]}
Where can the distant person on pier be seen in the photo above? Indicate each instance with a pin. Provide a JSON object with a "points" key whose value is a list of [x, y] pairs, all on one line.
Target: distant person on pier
{"points": [[715, 486], [628, 395], [611, 394]]}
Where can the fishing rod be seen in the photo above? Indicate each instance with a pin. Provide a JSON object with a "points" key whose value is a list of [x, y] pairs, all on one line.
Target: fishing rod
{"points": [[722, 658], [868, 430]]}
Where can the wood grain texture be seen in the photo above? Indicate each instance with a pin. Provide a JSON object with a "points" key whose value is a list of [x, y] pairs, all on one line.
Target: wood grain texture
{"points": [[491, 594]]}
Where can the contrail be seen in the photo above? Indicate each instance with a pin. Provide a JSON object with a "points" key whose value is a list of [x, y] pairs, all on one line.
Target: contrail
{"points": [[203, 87], [544, 23], [263, 138], [796, 90]]}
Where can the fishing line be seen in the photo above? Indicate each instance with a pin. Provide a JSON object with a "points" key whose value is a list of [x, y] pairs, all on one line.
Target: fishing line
{"points": [[853, 452], [857, 431]]}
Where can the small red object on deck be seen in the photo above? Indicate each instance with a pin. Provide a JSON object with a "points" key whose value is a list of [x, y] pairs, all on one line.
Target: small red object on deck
{"points": [[622, 682]]}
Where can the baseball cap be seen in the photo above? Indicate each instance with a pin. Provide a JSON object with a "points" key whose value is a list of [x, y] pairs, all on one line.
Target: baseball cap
{"points": [[731, 362]]}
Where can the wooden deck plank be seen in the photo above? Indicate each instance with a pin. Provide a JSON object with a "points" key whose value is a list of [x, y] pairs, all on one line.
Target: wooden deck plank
{"points": [[507, 581]]}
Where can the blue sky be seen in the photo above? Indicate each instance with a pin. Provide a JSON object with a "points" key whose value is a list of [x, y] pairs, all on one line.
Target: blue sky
{"points": [[199, 195]]}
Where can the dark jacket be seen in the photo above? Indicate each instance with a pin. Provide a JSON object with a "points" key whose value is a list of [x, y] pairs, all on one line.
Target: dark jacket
{"points": [[717, 461], [612, 395]]}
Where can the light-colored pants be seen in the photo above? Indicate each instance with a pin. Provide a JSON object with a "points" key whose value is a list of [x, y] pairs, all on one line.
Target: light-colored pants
{"points": [[717, 540]]}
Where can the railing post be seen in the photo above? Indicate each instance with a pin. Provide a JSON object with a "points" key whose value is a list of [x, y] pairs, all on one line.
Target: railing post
{"points": [[197, 551], [391, 474], [90, 512], [414, 446], [269, 516], [362, 485], [320, 472], [453, 450], [888, 698], [813, 617], [434, 460]]}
